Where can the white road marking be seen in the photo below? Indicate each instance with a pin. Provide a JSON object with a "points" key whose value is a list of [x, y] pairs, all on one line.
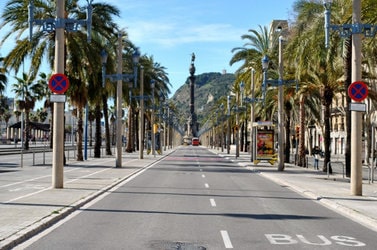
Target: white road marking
{"points": [[27, 195], [86, 176], [84, 207], [206, 185], [226, 239], [29, 180], [213, 203], [48, 188], [203, 176]]}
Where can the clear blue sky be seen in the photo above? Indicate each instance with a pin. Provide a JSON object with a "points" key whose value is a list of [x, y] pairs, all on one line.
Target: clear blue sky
{"points": [[171, 30]]}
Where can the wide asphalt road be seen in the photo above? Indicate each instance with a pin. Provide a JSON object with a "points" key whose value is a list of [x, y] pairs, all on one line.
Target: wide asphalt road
{"points": [[194, 199]]}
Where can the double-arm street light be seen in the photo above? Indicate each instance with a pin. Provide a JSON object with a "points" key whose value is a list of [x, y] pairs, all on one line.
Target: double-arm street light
{"points": [[220, 111], [279, 83], [153, 136], [228, 126], [239, 109], [356, 30], [59, 25], [119, 77], [252, 101]]}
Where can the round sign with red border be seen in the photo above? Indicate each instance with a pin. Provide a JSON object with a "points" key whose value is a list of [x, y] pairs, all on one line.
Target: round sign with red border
{"points": [[58, 83], [358, 91]]}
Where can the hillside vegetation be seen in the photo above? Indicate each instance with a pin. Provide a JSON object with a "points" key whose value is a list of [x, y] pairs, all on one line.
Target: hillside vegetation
{"points": [[209, 88]]}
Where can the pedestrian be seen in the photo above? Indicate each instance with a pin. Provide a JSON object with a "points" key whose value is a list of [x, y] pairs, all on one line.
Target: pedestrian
{"points": [[316, 160]]}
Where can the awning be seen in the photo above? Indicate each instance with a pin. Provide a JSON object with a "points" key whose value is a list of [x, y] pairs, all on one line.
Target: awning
{"points": [[33, 125]]}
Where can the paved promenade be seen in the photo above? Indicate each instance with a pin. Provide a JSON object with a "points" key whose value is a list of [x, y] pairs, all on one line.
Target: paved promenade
{"points": [[26, 215]]}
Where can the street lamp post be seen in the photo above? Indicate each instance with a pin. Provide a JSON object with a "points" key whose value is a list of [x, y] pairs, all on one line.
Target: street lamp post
{"points": [[239, 102], [119, 77], [153, 82], [281, 109], [356, 30], [222, 126], [141, 132], [252, 114], [59, 25], [228, 127], [252, 102], [161, 120], [118, 162], [280, 84]]}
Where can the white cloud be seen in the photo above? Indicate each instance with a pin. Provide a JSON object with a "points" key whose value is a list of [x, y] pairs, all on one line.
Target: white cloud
{"points": [[173, 34]]}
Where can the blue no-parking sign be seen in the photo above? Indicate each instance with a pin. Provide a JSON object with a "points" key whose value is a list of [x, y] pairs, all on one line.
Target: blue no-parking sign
{"points": [[58, 83], [358, 91]]}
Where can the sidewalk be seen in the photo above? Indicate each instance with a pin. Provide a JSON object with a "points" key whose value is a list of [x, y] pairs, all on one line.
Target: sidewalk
{"points": [[24, 216], [333, 192]]}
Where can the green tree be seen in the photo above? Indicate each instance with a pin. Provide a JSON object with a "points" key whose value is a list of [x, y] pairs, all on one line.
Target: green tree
{"points": [[41, 115], [3, 77], [83, 60], [29, 91], [315, 64], [47, 104]]}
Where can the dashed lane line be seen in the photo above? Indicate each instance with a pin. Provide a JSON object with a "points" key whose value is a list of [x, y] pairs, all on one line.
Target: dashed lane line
{"points": [[213, 203], [226, 239]]}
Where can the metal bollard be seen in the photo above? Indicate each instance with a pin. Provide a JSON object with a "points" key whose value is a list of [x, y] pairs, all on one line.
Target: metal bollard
{"points": [[33, 157]]}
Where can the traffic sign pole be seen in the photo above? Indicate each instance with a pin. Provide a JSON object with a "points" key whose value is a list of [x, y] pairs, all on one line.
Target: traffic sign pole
{"points": [[58, 123], [356, 117]]}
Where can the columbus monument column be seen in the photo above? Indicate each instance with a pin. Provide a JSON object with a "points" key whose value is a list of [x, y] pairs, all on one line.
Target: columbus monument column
{"points": [[194, 125]]}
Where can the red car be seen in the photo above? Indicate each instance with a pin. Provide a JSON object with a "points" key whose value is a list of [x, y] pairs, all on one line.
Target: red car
{"points": [[195, 141]]}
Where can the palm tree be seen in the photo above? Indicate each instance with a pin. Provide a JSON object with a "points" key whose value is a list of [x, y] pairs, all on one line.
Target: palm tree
{"points": [[3, 77], [47, 105], [314, 63], [152, 70], [260, 43], [41, 115], [29, 91], [6, 116], [42, 44]]}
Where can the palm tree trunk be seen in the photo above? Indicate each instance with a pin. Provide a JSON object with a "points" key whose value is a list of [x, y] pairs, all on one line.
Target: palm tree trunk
{"points": [[107, 126], [51, 125], [129, 134], [347, 83], [137, 128], [302, 158], [246, 137], [98, 135], [90, 133], [80, 130], [26, 131], [288, 109], [327, 98], [242, 137]]}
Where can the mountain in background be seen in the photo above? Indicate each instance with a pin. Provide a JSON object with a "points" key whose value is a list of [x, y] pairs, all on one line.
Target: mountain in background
{"points": [[209, 88]]}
